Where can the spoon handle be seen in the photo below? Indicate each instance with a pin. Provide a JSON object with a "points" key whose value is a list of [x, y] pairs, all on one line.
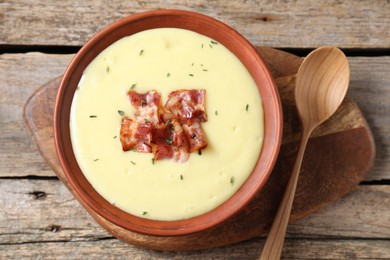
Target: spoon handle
{"points": [[274, 244]]}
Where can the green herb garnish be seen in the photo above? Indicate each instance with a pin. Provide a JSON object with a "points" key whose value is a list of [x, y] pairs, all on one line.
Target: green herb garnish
{"points": [[199, 152], [181, 177], [121, 113], [205, 70], [191, 75], [141, 52], [115, 137], [144, 213], [97, 159], [214, 42], [108, 69], [133, 86], [168, 75], [132, 162], [143, 103], [232, 180], [146, 120], [93, 116], [216, 112], [247, 107], [153, 160], [169, 140]]}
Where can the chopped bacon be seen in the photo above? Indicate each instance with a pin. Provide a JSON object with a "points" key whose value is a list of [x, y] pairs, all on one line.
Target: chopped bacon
{"points": [[170, 132], [128, 127], [147, 106], [195, 136], [162, 138], [187, 104], [162, 151], [179, 142], [170, 142], [134, 135]]}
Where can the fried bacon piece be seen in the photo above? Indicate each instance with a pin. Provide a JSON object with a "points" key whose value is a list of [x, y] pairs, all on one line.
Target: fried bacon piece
{"points": [[189, 107], [187, 104], [147, 106], [181, 146], [134, 135], [170, 132], [195, 136], [137, 134], [170, 142], [162, 138]]}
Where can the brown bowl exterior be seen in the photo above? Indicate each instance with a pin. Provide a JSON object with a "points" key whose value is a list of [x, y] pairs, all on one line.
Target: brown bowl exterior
{"points": [[174, 19]]}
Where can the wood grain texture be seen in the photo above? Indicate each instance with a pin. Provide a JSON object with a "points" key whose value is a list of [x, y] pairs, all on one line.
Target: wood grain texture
{"points": [[114, 249], [354, 227], [292, 23], [24, 73], [54, 224]]}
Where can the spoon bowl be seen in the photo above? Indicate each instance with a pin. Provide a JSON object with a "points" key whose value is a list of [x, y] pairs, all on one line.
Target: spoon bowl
{"points": [[321, 84]]}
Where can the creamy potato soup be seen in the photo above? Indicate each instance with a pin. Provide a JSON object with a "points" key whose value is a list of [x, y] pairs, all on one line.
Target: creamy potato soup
{"points": [[166, 60]]}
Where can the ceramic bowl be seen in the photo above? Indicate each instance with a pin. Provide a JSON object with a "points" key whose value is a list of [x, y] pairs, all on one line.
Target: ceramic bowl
{"points": [[207, 26]]}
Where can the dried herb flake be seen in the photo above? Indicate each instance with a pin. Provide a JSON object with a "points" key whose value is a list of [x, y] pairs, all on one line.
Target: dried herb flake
{"points": [[169, 140]]}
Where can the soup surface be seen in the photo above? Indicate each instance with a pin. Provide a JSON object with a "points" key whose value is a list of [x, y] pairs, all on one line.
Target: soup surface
{"points": [[167, 59]]}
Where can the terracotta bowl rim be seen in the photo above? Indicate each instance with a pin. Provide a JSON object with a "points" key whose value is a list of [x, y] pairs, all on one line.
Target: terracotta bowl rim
{"points": [[272, 123]]}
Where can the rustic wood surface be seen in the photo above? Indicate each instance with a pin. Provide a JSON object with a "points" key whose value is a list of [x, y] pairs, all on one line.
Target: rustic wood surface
{"points": [[42, 220], [363, 24]]}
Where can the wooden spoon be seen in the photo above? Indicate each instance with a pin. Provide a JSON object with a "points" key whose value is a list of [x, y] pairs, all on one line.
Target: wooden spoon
{"points": [[321, 84]]}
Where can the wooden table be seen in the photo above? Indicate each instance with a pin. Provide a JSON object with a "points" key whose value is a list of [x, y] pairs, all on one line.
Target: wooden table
{"points": [[41, 219]]}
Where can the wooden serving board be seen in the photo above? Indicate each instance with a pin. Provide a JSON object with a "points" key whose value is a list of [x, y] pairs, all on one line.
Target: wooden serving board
{"points": [[338, 156]]}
